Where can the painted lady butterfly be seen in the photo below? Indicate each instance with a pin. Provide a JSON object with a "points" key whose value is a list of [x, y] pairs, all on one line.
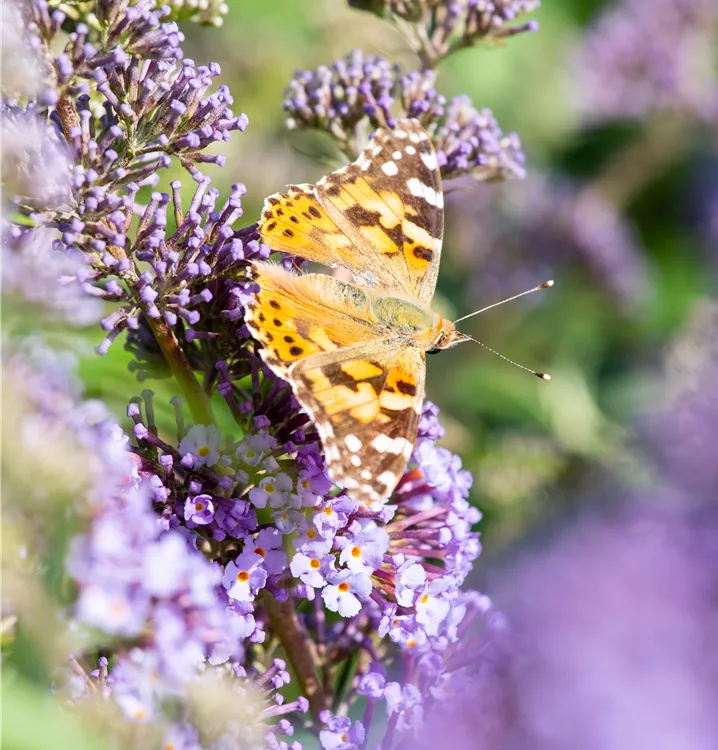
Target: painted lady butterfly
{"points": [[355, 353]]}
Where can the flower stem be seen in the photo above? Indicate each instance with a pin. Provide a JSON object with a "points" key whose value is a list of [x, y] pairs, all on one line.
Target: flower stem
{"points": [[298, 647], [197, 399]]}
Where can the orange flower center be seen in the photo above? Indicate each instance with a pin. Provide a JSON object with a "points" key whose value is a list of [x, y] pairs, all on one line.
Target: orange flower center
{"points": [[356, 552], [242, 576], [260, 551], [424, 599], [314, 563], [311, 533], [199, 506], [203, 451], [328, 511], [343, 587]]}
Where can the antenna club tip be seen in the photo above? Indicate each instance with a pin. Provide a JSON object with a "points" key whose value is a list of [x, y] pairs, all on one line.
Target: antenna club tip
{"points": [[543, 375], [547, 284]]}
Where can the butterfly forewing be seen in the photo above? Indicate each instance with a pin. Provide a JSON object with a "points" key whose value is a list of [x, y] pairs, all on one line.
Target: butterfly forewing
{"points": [[295, 316], [389, 203]]}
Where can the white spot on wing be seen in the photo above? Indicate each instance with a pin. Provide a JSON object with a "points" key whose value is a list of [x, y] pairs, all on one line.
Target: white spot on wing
{"points": [[410, 150], [389, 168], [420, 190], [388, 479], [396, 155], [429, 159], [365, 474], [385, 444], [353, 443], [355, 460]]}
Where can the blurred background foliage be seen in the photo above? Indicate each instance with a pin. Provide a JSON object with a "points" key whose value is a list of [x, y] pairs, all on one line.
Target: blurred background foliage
{"points": [[616, 210]]}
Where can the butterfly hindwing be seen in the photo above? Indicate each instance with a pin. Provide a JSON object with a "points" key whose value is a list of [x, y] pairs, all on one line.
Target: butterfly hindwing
{"points": [[366, 403]]}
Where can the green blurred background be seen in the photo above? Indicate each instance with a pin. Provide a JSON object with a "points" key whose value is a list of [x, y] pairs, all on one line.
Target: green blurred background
{"points": [[532, 447]]}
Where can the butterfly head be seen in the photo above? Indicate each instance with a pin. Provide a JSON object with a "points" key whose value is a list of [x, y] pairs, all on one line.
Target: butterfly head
{"points": [[444, 336]]}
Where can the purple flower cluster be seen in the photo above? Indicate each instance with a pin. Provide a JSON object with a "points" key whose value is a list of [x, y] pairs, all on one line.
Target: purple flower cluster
{"points": [[640, 58], [361, 91], [336, 98], [437, 28]]}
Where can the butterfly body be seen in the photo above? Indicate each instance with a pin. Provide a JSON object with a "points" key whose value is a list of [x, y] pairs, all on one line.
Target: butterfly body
{"points": [[354, 353]]}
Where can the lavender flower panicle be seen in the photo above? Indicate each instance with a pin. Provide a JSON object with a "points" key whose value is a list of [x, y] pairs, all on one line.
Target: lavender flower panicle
{"points": [[436, 28], [360, 92]]}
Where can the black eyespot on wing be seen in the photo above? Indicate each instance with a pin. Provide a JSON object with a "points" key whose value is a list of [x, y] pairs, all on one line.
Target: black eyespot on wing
{"points": [[273, 303], [288, 233], [294, 219], [289, 339], [271, 226], [296, 351], [277, 322], [314, 212]]}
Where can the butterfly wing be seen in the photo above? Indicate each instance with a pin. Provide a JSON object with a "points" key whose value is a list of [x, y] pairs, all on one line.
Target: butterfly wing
{"points": [[381, 217], [363, 391], [366, 403]]}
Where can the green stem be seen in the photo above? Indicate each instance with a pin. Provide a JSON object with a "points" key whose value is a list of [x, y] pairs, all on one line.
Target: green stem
{"points": [[197, 399], [298, 647]]}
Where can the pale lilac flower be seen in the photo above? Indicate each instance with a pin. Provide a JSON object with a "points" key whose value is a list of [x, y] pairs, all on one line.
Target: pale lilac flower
{"points": [[273, 490], [244, 577], [199, 510], [254, 447], [364, 550], [202, 443], [333, 515], [268, 545], [314, 571], [346, 591], [432, 606], [340, 733], [410, 578], [371, 684]]}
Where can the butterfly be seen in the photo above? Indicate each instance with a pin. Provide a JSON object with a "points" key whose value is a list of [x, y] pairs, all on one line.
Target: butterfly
{"points": [[354, 353]]}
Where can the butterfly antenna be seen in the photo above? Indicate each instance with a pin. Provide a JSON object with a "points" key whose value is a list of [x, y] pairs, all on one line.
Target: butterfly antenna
{"points": [[538, 288], [542, 375]]}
